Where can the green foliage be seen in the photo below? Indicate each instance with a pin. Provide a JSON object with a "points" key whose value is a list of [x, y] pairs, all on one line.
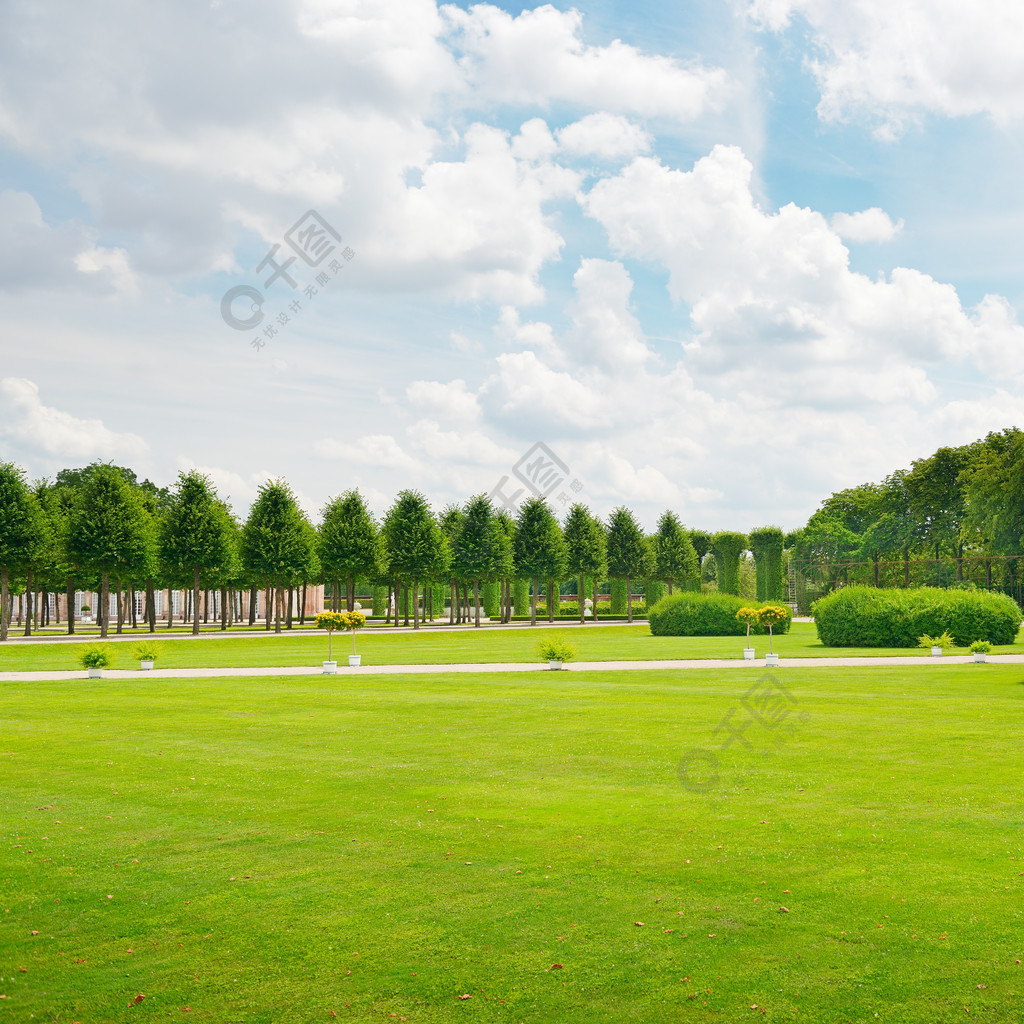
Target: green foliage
{"points": [[277, 540], [353, 620], [96, 656], [147, 650], [869, 617], [675, 557], [556, 649], [627, 547], [714, 614], [980, 647], [654, 591], [727, 547], [415, 548], [348, 539], [539, 549], [520, 597], [701, 541], [330, 621], [766, 543], [585, 545], [943, 641], [618, 597]]}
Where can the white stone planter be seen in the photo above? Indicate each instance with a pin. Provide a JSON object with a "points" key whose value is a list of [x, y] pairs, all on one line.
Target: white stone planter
{"points": [[555, 666], [146, 665], [330, 668], [936, 652], [748, 653], [979, 656], [771, 659], [353, 660], [95, 673]]}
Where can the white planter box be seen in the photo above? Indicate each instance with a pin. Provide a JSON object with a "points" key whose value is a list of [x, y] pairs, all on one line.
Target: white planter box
{"points": [[95, 673], [330, 668], [555, 666], [748, 653], [979, 656], [771, 659], [936, 652], [146, 666], [353, 660]]}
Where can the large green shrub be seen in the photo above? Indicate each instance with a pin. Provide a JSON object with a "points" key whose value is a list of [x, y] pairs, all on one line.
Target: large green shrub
{"points": [[869, 617], [689, 614]]}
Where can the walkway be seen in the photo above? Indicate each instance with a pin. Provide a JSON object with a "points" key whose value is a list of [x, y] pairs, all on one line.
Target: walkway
{"points": [[492, 668]]}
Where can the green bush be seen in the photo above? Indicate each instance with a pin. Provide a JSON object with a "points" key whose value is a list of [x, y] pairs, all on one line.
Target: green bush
{"points": [[706, 615], [556, 649], [869, 617], [96, 656]]}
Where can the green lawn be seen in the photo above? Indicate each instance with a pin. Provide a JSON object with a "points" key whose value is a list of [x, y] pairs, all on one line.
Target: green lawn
{"points": [[272, 850], [496, 644]]}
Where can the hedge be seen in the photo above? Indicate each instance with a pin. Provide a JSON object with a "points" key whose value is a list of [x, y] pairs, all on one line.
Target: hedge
{"points": [[871, 617], [689, 614]]}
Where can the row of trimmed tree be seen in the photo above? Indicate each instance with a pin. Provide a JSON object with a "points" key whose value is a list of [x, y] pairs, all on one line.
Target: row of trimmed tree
{"points": [[100, 528]]}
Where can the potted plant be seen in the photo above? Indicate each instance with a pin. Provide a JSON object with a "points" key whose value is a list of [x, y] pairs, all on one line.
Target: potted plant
{"points": [[147, 651], [556, 652], [751, 617], [771, 615], [96, 658], [86, 613], [937, 643], [354, 620], [330, 621], [979, 649]]}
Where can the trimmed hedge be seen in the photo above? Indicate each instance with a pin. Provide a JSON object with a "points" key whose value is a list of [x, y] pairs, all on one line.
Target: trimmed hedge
{"points": [[870, 617], [688, 614]]}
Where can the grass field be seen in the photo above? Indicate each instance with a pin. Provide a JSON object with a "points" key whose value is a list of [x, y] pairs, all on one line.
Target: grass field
{"points": [[287, 850], [498, 644]]}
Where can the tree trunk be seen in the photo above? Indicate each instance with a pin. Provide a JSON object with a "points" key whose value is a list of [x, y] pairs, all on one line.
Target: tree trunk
{"points": [[223, 608], [670, 586], [405, 606], [533, 605], [268, 600], [302, 607], [151, 598], [104, 604], [593, 599], [291, 608], [629, 601], [69, 592], [552, 598], [476, 603], [5, 613], [253, 601], [279, 600], [350, 592], [451, 611], [195, 600], [581, 591], [118, 586], [29, 594], [387, 608], [170, 607], [415, 604]]}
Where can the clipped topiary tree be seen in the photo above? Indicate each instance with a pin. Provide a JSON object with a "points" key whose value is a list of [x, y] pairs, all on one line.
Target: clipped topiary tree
{"points": [[727, 547], [766, 542]]}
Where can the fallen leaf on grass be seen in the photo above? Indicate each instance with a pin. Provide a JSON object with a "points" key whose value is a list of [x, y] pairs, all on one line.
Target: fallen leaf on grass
{"points": [[466, 996], [785, 910], [639, 924], [558, 967], [138, 999], [23, 970]]}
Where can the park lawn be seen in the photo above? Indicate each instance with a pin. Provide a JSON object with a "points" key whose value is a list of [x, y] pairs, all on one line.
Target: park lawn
{"points": [[278, 850], [441, 647]]}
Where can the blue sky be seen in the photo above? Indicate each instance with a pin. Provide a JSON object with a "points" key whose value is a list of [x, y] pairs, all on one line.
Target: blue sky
{"points": [[722, 257]]}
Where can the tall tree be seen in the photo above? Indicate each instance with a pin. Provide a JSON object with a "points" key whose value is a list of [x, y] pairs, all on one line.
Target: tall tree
{"points": [[674, 554], [196, 536], [277, 544], [937, 496], [415, 548], [23, 533], [766, 543], [111, 532], [348, 544], [508, 529], [539, 549], [627, 551], [585, 550], [480, 549]]}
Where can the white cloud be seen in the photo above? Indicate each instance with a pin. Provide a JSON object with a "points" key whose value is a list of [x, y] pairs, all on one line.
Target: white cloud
{"points": [[539, 57], [872, 225], [892, 62], [605, 136], [451, 402], [41, 430], [369, 450]]}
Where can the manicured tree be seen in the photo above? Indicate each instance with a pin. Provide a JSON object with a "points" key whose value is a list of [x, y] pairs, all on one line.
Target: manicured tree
{"points": [[627, 551], [347, 543], [539, 549], [450, 522], [675, 556], [416, 549], [508, 529], [585, 550], [23, 533], [277, 545], [766, 542], [56, 573], [701, 541], [196, 535], [478, 548], [111, 532], [727, 547]]}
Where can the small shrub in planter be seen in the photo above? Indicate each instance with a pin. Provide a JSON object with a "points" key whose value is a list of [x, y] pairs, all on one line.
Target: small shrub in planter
{"points": [[147, 651], [353, 620], [749, 617], [330, 621], [943, 641], [771, 615], [96, 657], [556, 650], [980, 647]]}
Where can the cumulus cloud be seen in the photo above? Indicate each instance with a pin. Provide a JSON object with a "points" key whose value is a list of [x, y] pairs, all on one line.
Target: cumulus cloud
{"points": [[893, 62], [369, 450], [872, 225], [42, 430], [605, 136]]}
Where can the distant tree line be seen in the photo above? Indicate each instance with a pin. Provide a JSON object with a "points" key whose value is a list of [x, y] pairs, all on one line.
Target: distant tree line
{"points": [[102, 530]]}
